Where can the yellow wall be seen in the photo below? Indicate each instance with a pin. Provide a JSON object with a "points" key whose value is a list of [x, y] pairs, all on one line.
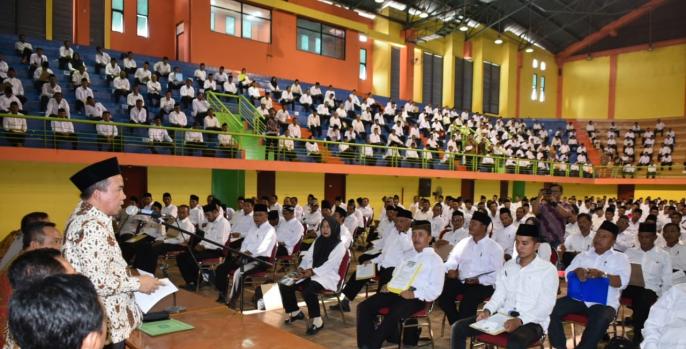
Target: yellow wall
{"points": [[651, 84], [578, 190], [671, 193], [299, 185], [376, 187], [28, 187], [250, 184], [486, 188], [585, 88], [450, 187], [180, 183], [536, 109]]}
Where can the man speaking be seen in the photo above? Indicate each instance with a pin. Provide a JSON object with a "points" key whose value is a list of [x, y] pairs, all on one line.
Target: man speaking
{"points": [[91, 247]]}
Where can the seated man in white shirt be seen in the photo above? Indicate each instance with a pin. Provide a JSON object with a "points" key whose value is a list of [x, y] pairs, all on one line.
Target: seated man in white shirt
{"points": [[108, 135], [154, 88], [167, 104], [121, 87], [143, 74], [417, 281], [55, 104], [159, 137], [175, 79], [664, 327], [23, 48], [200, 106], [66, 54], [187, 93], [259, 242], [93, 109], [656, 268], [129, 63], [289, 232], [529, 303], [200, 74], [226, 142], [230, 86], [577, 243], [599, 262], [452, 235], [217, 230], [162, 68], [112, 70], [210, 84], [15, 128], [7, 99], [471, 270], [83, 92], [138, 114], [193, 140], [63, 129], [677, 252], [505, 234]]}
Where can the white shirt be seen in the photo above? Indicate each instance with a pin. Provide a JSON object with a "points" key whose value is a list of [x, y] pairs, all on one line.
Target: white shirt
{"points": [[83, 93], [107, 130], [196, 215], [242, 223], [158, 135], [610, 262], [200, 106], [453, 237], [529, 290], [505, 237], [66, 52], [677, 254], [260, 241], [289, 233], [428, 283], [351, 222], [184, 224], [17, 86], [578, 242], [656, 266], [326, 274], [54, 107], [14, 124], [154, 87], [437, 226], [112, 70], [395, 248], [483, 259], [142, 74], [178, 118], [170, 210], [665, 325], [187, 91], [625, 240], [62, 126], [217, 231], [138, 116], [132, 97], [200, 74], [211, 122]]}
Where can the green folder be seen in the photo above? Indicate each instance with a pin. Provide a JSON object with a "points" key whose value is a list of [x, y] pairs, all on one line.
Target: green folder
{"points": [[158, 328]]}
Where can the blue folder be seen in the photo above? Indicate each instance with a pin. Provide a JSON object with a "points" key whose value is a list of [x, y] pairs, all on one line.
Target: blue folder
{"points": [[592, 290]]}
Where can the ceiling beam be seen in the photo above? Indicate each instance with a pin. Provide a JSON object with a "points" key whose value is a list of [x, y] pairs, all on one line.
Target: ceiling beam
{"points": [[580, 18], [549, 19], [611, 27]]}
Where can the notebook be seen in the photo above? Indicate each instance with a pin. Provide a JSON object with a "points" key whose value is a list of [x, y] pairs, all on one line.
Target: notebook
{"points": [[493, 325], [159, 328]]}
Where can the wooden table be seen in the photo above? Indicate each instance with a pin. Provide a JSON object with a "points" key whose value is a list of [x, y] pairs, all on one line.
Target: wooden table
{"points": [[189, 300], [217, 328]]}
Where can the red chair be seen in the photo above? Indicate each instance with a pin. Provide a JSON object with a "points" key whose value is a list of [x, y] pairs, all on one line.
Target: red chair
{"points": [[343, 270], [253, 279], [459, 298], [290, 260], [424, 314], [573, 320], [500, 341], [209, 264]]}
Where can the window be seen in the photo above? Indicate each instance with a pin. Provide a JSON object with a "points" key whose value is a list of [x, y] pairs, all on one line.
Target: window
{"points": [[142, 18], [118, 16], [491, 88], [432, 79], [242, 20], [538, 81], [321, 39], [464, 77], [363, 64]]}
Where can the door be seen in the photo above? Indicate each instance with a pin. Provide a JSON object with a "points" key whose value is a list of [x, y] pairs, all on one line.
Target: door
{"points": [[266, 183], [334, 185], [135, 180]]}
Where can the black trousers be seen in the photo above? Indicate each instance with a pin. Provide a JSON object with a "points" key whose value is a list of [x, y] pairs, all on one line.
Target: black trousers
{"points": [[310, 291], [521, 338], [642, 299], [353, 286], [370, 337], [188, 265], [232, 264], [599, 318], [472, 295]]}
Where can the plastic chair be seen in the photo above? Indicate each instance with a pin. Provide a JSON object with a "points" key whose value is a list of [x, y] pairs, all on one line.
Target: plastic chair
{"points": [[343, 270], [500, 341], [423, 314], [290, 260]]}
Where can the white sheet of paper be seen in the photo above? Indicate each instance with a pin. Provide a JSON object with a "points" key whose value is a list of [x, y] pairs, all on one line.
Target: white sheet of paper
{"points": [[271, 296], [147, 301], [403, 276], [365, 271], [493, 325]]}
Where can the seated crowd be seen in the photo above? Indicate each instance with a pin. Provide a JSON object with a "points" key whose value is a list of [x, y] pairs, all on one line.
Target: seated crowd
{"points": [[472, 260], [419, 136]]}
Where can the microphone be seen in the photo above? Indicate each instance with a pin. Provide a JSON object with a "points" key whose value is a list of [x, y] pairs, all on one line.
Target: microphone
{"points": [[133, 210]]}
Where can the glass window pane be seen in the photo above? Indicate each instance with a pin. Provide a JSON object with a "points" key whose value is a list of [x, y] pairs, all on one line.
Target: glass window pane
{"points": [[333, 47], [256, 11], [304, 43], [543, 66], [534, 82], [118, 5], [534, 64], [333, 31], [117, 22], [227, 4], [363, 72], [143, 7], [542, 83], [225, 21], [256, 28], [318, 45], [309, 41], [305, 24], [142, 27], [363, 55]]}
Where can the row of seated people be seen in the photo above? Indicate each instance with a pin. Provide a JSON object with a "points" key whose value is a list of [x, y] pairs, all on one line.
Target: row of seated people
{"points": [[476, 267]]}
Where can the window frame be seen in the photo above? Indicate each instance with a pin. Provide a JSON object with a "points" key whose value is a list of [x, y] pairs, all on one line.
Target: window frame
{"points": [[121, 13], [145, 16], [322, 34], [534, 87], [241, 18], [363, 64]]}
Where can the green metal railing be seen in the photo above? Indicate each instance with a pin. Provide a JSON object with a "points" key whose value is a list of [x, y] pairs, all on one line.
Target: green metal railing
{"points": [[132, 138], [243, 109]]}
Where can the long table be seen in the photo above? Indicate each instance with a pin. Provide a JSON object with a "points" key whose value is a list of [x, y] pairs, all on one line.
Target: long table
{"points": [[216, 327]]}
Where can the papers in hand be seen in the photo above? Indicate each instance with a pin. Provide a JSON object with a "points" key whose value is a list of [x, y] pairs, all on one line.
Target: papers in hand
{"points": [[493, 325], [147, 301], [365, 271], [404, 276]]}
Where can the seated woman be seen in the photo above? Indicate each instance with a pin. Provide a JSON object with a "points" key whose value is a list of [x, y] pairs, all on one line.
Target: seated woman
{"points": [[318, 271]]}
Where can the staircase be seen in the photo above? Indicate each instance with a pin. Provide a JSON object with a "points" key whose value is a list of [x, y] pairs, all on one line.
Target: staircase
{"points": [[583, 138]]}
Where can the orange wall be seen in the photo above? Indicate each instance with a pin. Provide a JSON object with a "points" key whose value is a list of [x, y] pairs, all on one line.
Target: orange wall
{"points": [[279, 58], [161, 28], [82, 11]]}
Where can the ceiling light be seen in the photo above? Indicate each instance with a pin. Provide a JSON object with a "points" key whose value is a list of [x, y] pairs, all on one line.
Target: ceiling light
{"points": [[363, 38], [396, 5], [378, 1], [464, 28], [423, 15], [498, 40], [365, 14], [529, 49]]}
